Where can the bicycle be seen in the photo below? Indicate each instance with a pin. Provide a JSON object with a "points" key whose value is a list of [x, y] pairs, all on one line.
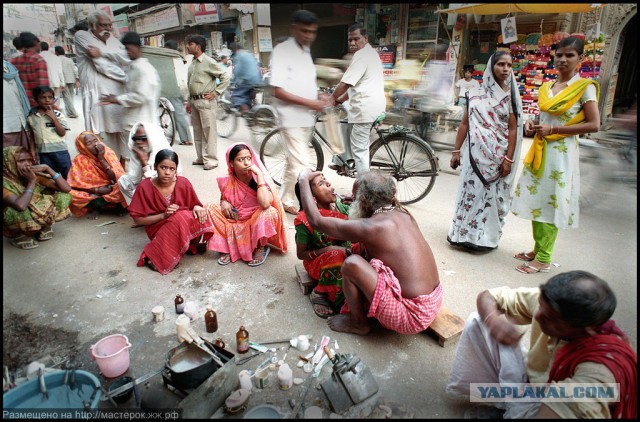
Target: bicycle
{"points": [[397, 151], [167, 121], [260, 118]]}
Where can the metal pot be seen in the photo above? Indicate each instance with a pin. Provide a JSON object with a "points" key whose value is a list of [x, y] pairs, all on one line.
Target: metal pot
{"points": [[189, 365]]}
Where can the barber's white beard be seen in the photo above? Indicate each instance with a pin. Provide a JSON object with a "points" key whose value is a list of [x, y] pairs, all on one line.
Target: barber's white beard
{"points": [[355, 210]]}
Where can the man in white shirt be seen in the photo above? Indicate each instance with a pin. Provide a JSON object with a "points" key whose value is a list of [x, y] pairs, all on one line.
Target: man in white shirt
{"points": [[293, 77], [54, 69], [142, 89], [70, 73], [363, 85], [464, 85]]}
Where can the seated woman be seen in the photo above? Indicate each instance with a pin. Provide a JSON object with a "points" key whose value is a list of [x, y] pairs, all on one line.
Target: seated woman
{"points": [[250, 214], [34, 197], [145, 140], [321, 255], [173, 216], [94, 176]]}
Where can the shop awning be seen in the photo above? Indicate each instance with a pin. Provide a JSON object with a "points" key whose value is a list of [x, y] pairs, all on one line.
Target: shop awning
{"points": [[504, 8]]}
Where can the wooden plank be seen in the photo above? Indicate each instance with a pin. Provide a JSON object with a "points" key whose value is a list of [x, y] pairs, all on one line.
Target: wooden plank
{"points": [[304, 280], [446, 327]]}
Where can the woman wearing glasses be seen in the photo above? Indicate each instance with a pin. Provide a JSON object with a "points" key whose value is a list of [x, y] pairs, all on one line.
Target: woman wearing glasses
{"points": [[145, 140]]}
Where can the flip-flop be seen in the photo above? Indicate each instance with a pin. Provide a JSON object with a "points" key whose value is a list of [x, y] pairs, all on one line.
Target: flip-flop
{"points": [[45, 235], [24, 242], [319, 299], [266, 250], [224, 259], [526, 268], [524, 256]]}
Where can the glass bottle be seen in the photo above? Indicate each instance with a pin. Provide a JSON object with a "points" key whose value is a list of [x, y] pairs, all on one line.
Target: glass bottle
{"points": [[242, 340], [211, 319], [179, 301]]}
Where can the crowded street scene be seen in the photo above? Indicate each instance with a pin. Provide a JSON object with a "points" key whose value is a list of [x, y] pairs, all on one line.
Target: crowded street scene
{"points": [[319, 210]]}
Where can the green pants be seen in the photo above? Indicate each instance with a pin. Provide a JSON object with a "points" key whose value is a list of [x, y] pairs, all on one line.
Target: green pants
{"points": [[544, 236]]}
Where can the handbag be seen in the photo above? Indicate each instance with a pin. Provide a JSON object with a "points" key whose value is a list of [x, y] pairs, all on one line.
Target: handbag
{"points": [[474, 166]]}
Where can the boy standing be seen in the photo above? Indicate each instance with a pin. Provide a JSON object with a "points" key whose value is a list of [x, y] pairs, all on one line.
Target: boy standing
{"points": [[464, 85], [49, 127]]}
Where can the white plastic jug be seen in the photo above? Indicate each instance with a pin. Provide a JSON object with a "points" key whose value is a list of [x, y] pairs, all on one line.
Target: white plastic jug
{"points": [[285, 377]]}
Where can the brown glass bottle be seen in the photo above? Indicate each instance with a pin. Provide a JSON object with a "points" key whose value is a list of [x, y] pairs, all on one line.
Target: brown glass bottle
{"points": [[211, 319], [242, 340], [179, 301]]}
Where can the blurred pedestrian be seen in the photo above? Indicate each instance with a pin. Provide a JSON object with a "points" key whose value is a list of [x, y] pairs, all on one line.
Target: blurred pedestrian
{"points": [[491, 132], [203, 92], [101, 59], [549, 188], [363, 85], [71, 82], [14, 111], [32, 69], [19, 48], [142, 89], [245, 77], [293, 76], [179, 103], [464, 85], [54, 70]]}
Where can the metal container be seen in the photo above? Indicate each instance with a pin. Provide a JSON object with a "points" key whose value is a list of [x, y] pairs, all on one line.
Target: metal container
{"points": [[189, 365]]}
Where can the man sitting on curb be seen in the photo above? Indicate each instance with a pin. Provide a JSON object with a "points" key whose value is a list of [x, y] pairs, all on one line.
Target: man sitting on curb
{"points": [[396, 279], [569, 318]]}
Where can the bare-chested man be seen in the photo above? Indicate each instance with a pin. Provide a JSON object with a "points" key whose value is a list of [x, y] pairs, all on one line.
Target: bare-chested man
{"points": [[397, 279]]}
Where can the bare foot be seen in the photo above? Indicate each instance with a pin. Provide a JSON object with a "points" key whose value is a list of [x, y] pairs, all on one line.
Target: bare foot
{"points": [[344, 324]]}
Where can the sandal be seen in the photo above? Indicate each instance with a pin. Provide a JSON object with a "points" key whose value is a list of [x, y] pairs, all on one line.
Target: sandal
{"points": [[527, 268], [320, 300], [45, 234], [525, 256], [186, 143], [224, 259], [24, 242], [255, 262]]}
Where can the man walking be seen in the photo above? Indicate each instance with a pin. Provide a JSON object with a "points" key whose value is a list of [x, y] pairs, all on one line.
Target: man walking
{"points": [[101, 59], [70, 74], [203, 91], [363, 82], [293, 77], [142, 89], [54, 70], [32, 69]]}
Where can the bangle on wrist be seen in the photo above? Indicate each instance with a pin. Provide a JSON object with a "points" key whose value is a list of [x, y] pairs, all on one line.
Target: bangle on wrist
{"points": [[29, 190], [455, 150], [509, 160], [55, 176]]}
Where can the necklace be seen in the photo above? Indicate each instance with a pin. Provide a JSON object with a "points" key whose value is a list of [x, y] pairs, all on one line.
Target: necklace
{"points": [[384, 208]]}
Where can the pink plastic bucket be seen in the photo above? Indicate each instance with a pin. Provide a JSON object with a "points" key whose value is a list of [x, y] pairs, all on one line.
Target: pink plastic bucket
{"points": [[112, 355]]}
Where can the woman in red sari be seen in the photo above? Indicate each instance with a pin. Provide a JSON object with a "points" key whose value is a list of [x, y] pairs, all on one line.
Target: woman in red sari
{"points": [[94, 176], [250, 214], [322, 255], [173, 216]]}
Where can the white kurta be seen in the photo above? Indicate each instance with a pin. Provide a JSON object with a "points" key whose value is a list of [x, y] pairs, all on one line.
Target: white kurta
{"points": [[54, 69], [101, 76], [142, 94]]}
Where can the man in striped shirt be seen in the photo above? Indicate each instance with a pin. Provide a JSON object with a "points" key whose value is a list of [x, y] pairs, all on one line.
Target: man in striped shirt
{"points": [[32, 68]]}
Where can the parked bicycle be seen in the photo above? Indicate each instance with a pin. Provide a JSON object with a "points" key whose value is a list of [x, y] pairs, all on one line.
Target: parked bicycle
{"points": [[397, 151], [260, 118], [167, 119]]}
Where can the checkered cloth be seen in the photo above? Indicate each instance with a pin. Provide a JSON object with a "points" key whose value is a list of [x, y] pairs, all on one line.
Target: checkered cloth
{"points": [[32, 70], [405, 316]]}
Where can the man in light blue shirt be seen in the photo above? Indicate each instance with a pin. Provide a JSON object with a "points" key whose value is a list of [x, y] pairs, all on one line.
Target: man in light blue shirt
{"points": [[246, 76]]}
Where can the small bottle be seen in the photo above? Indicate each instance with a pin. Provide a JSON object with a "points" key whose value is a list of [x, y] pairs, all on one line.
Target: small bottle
{"points": [[285, 377], [179, 301], [211, 319], [242, 340]]}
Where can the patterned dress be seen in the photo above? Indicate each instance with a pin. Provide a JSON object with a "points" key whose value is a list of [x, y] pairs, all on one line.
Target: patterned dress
{"points": [[554, 197]]}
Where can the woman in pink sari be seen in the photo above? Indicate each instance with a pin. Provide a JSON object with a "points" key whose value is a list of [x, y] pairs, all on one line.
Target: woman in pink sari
{"points": [[173, 216], [250, 215]]}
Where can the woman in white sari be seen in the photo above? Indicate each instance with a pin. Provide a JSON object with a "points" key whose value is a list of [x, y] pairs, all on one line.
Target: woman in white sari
{"points": [[493, 122]]}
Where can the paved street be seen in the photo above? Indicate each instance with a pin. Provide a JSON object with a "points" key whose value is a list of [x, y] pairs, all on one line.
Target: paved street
{"points": [[85, 281]]}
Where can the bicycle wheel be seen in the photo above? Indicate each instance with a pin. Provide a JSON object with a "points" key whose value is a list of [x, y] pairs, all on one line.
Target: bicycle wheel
{"points": [[167, 123], [263, 120], [410, 161], [226, 120], [273, 153]]}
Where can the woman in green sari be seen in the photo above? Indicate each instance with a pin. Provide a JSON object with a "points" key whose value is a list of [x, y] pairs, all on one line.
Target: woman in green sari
{"points": [[34, 197]]}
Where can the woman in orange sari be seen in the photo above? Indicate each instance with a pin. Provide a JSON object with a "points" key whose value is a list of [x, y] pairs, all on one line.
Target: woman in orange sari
{"points": [[250, 215], [94, 176]]}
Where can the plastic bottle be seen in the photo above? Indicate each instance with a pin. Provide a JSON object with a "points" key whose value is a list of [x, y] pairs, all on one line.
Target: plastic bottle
{"points": [[285, 377], [179, 301], [211, 319], [242, 340]]}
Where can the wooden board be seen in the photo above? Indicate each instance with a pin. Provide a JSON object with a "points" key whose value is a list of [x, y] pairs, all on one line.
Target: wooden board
{"points": [[304, 280], [446, 327]]}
